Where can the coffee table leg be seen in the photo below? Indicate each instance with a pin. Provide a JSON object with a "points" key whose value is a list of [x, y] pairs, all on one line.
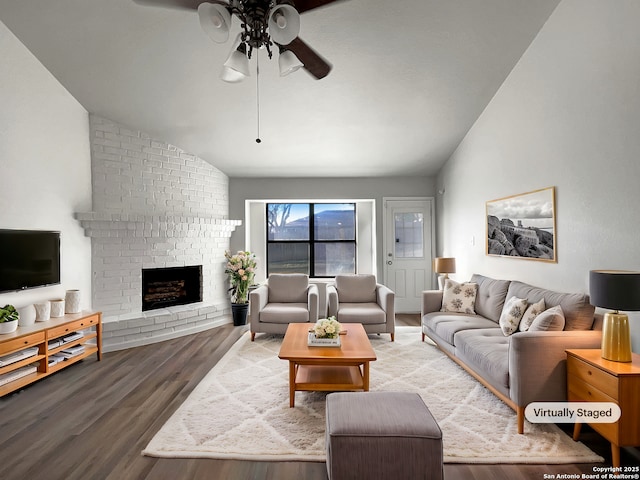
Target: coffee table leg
{"points": [[292, 384], [365, 377]]}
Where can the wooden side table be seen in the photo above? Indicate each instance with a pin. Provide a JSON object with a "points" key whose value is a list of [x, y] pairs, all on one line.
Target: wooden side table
{"points": [[591, 378]]}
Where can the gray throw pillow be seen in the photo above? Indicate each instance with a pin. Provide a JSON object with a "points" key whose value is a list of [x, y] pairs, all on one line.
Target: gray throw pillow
{"points": [[551, 319]]}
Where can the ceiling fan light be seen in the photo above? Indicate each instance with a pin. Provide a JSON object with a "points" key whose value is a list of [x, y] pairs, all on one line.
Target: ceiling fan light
{"points": [[288, 62], [284, 24], [238, 61], [215, 20], [230, 75]]}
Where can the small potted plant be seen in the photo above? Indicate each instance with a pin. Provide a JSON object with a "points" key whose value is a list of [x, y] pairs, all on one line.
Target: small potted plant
{"points": [[241, 269], [9, 317]]}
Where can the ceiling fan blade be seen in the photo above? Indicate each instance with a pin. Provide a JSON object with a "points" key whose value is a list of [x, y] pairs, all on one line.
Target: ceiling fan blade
{"points": [[313, 63], [178, 4], [306, 5]]}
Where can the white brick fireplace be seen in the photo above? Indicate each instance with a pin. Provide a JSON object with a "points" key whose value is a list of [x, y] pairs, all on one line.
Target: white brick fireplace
{"points": [[154, 206]]}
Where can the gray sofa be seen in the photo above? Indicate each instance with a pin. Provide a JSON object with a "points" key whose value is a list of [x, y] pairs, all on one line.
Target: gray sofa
{"points": [[521, 368]]}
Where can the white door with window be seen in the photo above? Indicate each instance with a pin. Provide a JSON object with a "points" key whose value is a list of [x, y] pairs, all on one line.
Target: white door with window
{"points": [[408, 250]]}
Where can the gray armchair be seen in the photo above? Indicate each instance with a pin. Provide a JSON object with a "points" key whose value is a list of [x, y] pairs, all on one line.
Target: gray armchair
{"points": [[360, 299], [284, 299]]}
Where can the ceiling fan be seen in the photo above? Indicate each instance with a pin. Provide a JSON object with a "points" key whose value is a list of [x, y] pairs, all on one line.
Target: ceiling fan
{"points": [[264, 23]]}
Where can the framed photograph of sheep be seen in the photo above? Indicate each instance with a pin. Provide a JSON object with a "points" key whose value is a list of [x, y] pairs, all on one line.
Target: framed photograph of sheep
{"points": [[523, 226]]}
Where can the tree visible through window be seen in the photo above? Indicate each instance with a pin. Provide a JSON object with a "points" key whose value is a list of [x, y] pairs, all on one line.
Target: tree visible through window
{"points": [[318, 239]]}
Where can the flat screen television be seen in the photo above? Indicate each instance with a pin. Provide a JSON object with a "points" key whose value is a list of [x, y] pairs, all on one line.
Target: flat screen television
{"points": [[29, 259]]}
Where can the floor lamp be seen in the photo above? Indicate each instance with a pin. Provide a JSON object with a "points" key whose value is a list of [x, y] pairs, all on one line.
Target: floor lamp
{"points": [[445, 266], [615, 290]]}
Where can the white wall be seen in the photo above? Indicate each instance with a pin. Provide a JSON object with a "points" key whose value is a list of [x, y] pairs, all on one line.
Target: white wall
{"points": [[242, 189], [45, 165], [567, 116]]}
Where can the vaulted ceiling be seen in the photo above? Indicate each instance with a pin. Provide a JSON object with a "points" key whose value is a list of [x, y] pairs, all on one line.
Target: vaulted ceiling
{"points": [[409, 79]]}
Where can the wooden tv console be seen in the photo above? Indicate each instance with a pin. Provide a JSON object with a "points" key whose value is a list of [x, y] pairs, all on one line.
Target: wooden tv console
{"points": [[39, 335]]}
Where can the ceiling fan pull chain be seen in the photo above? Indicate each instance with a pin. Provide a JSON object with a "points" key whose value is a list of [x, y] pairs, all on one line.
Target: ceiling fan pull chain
{"points": [[258, 94]]}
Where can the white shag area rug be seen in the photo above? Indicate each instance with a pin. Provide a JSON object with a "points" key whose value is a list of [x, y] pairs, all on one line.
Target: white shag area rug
{"points": [[240, 410]]}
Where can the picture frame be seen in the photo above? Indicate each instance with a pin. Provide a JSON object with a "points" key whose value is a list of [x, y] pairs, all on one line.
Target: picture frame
{"points": [[523, 226]]}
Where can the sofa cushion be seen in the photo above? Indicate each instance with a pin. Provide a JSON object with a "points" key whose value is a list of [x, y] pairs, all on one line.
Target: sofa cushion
{"points": [[486, 351], [511, 315], [529, 316], [578, 312], [459, 297], [490, 297], [285, 313], [356, 288], [445, 325], [286, 288], [365, 313], [551, 319]]}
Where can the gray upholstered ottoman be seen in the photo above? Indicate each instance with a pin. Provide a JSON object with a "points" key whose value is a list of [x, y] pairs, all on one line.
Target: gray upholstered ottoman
{"points": [[382, 435]]}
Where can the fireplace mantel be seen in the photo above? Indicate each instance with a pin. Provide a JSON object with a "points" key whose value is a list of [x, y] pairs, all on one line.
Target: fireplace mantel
{"points": [[95, 224]]}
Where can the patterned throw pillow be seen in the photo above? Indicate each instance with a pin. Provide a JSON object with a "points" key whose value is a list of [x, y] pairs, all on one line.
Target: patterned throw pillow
{"points": [[459, 297], [511, 315], [549, 320], [529, 316]]}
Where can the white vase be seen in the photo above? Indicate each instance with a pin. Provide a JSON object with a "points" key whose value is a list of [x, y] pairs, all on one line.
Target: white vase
{"points": [[57, 308], [27, 316], [43, 311], [72, 301]]}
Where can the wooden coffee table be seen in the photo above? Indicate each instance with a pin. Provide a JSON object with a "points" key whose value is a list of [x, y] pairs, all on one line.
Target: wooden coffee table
{"points": [[327, 369]]}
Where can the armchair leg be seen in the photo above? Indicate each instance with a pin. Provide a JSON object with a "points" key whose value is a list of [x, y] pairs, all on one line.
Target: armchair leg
{"points": [[520, 414], [393, 336], [423, 337], [253, 336]]}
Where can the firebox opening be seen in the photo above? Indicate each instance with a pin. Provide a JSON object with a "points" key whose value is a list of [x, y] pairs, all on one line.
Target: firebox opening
{"points": [[167, 287]]}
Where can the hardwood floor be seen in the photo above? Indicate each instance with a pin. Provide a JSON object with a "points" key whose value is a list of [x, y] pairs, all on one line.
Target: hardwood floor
{"points": [[92, 420]]}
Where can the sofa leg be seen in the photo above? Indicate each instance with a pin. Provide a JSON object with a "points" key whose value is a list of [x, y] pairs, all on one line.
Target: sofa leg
{"points": [[393, 336], [423, 337], [253, 336], [520, 412]]}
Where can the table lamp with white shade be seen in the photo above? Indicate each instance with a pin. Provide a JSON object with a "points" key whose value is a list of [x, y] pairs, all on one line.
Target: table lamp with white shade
{"points": [[445, 266], [615, 290]]}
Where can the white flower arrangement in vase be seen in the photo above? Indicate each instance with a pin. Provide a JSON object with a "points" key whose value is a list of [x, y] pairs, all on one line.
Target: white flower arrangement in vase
{"points": [[241, 269], [327, 328]]}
